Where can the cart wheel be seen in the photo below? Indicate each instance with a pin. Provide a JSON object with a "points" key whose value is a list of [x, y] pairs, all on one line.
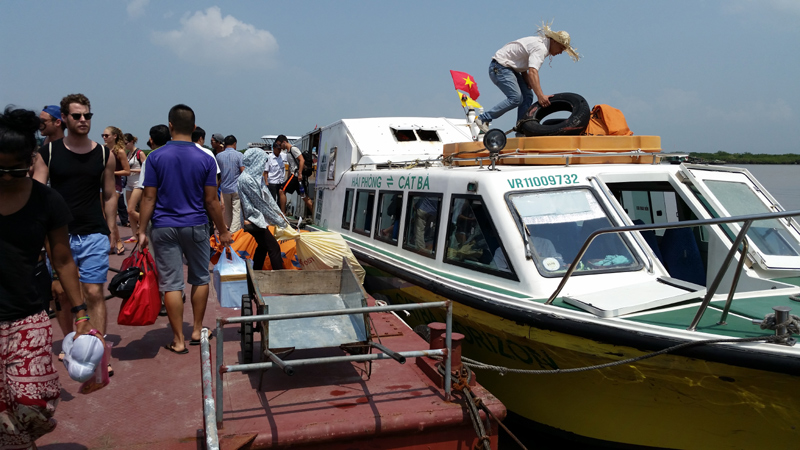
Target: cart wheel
{"points": [[247, 331]]}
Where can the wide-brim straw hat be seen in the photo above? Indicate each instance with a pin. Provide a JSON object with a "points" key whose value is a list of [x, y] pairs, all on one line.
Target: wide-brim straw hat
{"points": [[562, 37]]}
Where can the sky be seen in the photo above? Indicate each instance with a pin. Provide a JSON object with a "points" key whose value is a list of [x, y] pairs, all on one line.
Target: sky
{"points": [[706, 76]]}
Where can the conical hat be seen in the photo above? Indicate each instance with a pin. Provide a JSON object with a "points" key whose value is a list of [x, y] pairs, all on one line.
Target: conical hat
{"points": [[562, 37]]}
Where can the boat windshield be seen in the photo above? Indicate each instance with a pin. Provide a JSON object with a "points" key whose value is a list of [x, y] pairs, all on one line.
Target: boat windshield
{"points": [[770, 236], [557, 224]]}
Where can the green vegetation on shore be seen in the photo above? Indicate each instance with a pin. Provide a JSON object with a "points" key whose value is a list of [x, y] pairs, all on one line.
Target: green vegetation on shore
{"points": [[747, 158]]}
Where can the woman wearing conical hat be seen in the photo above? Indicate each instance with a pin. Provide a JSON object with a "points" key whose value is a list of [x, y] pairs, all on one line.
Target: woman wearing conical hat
{"points": [[515, 70]]}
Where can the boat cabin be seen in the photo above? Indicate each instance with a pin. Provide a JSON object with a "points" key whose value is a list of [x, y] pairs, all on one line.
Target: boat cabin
{"points": [[418, 195]]}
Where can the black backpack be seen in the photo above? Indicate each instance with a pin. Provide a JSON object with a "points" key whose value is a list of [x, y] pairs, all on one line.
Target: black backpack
{"points": [[308, 164]]}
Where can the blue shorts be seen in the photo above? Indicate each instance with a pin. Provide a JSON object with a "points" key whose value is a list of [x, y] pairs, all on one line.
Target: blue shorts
{"points": [[90, 252]]}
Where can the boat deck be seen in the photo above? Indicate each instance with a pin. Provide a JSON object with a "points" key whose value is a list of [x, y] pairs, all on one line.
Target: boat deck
{"points": [[154, 399]]}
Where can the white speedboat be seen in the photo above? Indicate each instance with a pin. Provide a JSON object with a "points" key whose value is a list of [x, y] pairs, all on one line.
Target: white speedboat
{"points": [[570, 252]]}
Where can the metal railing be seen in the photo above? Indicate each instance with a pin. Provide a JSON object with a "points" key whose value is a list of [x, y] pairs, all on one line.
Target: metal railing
{"points": [[212, 408], [747, 221]]}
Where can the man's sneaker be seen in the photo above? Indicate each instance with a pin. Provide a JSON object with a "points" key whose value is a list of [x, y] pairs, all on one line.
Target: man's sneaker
{"points": [[483, 126]]}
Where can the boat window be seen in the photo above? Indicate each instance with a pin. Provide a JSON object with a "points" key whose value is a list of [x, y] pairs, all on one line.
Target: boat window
{"points": [[362, 222], [556, 225], [347, 212], [472, 240], [770, 236], [428, 135], [390, 208], [403, 135], [422, 223]]}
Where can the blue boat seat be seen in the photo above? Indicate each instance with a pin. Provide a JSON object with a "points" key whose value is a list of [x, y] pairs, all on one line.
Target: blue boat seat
{"points": [[564, 237], [681, 256], [603, 245]]}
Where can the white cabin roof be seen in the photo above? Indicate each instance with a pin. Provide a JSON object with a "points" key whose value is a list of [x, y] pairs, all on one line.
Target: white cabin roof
{"points": [[378, 142]]}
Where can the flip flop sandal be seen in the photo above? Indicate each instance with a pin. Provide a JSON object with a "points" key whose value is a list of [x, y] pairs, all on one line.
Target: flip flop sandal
{"points": [[172, 349]]}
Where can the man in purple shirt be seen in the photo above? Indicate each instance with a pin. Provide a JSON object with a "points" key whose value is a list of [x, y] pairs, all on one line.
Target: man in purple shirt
{"points": [[180, 184]]}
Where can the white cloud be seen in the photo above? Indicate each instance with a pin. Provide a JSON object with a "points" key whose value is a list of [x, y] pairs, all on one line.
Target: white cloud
{"points": [[136, 8], [207, 35]]}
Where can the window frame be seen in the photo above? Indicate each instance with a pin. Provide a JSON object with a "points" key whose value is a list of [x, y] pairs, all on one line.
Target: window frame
{"points": [[347, 219], [512, 275], [377, 225], [521, 228], [413, 248], [367, 192]]}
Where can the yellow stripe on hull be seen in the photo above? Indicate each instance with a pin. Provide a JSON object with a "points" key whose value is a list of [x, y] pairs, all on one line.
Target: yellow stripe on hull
{"points": [[667, 401]]}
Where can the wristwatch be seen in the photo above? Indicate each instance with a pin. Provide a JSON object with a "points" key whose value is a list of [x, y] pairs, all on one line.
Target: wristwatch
{"points": [[76, 309]]}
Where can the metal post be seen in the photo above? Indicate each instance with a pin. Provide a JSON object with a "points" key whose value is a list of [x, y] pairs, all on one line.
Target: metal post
{"points": [[720, 273], [735, 283], [781, 316], [448, 365], [219, 397], [209, 413]]}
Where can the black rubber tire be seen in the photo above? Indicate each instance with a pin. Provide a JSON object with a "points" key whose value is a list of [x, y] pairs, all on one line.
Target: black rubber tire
{"points": [[247, 331], [575, 124]]}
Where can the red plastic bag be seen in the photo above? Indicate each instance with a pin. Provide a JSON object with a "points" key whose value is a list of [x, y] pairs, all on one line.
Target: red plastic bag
{"points": [[130, 261], [143, 306]]}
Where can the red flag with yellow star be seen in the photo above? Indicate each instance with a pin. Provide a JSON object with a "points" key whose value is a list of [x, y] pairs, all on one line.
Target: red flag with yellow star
{"points": [[465, 82]]}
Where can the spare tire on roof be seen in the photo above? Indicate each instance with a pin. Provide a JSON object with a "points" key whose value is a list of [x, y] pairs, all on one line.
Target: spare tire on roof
{"points": [[580, 113]]}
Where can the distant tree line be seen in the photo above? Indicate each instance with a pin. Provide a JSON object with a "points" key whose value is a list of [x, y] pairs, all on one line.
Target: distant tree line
{"points": [[746, 158]]}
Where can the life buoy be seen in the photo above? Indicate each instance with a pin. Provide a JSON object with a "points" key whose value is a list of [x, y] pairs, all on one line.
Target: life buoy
{"points": [[532, 124]]}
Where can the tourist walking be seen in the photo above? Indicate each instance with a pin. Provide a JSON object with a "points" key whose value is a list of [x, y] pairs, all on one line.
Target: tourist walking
{"points": [[275, 171], [115, 141], [136, 159], [230, 166], [29, 213], [179, 186], [259, 210], [51, 126], [515, 70], [79, 169]]}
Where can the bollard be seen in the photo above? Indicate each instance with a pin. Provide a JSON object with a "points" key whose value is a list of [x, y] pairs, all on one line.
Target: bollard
{"points": [[438, 335], [781, 316]]}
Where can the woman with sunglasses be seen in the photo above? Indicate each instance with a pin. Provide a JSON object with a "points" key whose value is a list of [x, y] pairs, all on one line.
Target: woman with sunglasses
{"points": [[29, 213], [112, 136], [136, 158]]}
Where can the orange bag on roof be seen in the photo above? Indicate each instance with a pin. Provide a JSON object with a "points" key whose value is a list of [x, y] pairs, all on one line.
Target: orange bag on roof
{"points": [[607, 121]]}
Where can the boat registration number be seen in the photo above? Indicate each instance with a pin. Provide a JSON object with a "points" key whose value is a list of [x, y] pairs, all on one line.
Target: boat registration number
{"points": [[544, 180]]}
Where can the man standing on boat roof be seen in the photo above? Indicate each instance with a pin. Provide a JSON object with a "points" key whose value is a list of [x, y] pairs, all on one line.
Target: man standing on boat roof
{"points": [[515, 70]]}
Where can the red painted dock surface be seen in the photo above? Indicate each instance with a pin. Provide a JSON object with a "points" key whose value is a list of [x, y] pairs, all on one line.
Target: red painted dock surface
{"points": [[154, 400]]}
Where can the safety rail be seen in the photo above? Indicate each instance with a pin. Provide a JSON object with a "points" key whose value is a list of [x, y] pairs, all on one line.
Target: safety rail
{"points": [[566, 155], [212, 408], [747, 220]]}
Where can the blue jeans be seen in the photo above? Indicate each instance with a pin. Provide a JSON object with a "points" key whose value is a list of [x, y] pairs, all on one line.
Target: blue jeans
{"points": [[513, 85]]}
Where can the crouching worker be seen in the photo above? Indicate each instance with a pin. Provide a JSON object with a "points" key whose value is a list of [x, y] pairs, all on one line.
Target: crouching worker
{"points": [[259, 209], [29, 213]]}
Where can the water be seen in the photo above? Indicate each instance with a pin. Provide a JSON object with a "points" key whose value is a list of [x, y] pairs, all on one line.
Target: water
{"points": [[780, 180]]}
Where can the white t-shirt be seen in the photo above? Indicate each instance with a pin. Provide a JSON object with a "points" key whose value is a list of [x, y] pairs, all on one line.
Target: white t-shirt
{"points": [[275, 168], [144, 165], [524, 53], [292, 159]]}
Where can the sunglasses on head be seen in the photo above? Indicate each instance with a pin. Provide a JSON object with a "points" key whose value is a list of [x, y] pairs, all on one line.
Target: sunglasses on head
{"points": [[77, 116], [15, 173]]}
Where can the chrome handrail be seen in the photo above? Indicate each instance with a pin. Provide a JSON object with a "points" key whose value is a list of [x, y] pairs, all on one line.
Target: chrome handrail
{"points": [[747, 219]]}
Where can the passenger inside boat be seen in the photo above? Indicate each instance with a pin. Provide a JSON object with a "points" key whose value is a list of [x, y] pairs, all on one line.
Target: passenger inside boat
{"points": [[424, 219], [471, 238]]}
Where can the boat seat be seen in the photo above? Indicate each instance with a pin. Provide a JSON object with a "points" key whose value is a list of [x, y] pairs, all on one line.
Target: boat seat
{"points": [[651, 239], [681, 256], [603, 245], [564, 237]]}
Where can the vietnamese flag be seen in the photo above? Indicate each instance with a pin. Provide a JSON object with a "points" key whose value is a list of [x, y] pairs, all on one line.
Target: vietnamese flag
{"points": [[465, 82]]}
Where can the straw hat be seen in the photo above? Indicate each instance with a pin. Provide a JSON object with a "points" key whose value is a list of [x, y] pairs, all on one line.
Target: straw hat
{"points": [[562, 37]]}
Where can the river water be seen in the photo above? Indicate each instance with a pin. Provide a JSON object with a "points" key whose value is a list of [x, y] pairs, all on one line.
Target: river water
{"points": [[780, 180]]}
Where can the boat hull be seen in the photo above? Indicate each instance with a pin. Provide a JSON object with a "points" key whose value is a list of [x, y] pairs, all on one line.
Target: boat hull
{"points": [[670, 401]]}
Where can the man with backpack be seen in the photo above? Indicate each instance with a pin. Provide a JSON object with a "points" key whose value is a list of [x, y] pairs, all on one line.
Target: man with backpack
{"points": [[295, 180]]}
